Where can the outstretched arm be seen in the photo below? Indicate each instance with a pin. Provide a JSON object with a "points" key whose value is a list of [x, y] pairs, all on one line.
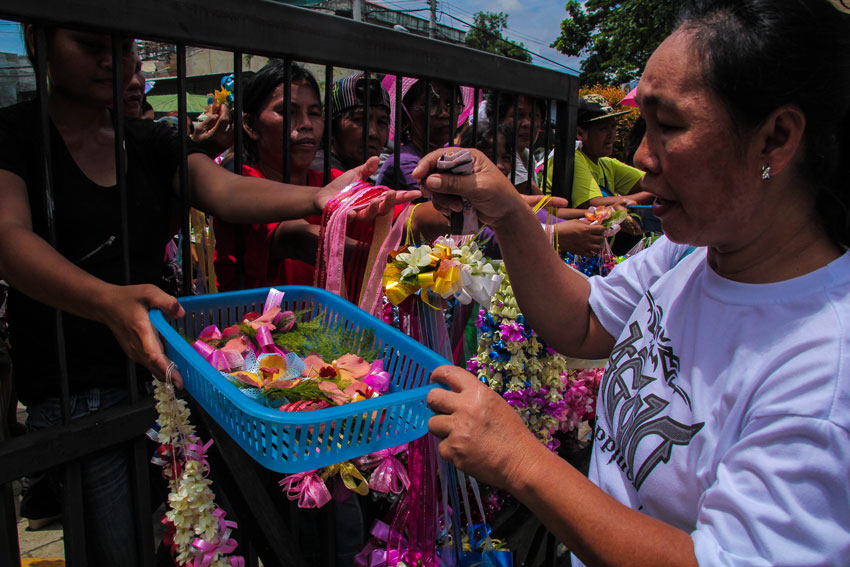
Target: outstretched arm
{"points": [[35, 268], [248, 200]]}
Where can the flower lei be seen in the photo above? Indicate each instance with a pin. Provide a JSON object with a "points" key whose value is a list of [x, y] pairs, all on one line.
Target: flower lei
{"points": [[533, 378], [196, 529]]}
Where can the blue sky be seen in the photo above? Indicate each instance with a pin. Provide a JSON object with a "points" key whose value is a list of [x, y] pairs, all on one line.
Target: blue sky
{"points": [[535, 23], [10, 38]]}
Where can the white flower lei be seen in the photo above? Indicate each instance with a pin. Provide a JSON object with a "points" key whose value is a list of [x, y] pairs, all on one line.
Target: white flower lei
{"points": [[191, 500]]}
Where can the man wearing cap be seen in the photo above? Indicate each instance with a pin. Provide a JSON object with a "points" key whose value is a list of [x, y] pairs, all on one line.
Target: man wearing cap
{"points": [[599, 179], [347, 113]]}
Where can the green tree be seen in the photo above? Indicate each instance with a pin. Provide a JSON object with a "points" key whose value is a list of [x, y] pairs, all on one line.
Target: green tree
{"points": [[486, 35], [615, 37]]}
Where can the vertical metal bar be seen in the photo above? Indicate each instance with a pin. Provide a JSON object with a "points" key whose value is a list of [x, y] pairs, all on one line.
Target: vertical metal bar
{"points": [[428, 88], [138, 459], [238, 158], [287, 119], [397, 134], [328, 133], [73, 523], [475, 114], [562, 168], [75, 551], [121, 182], [9, 545], [184, 169], [366, 103], [547, 125], [452, 116], [515, 141], [494, 124], [533, 137], [50, 211]]}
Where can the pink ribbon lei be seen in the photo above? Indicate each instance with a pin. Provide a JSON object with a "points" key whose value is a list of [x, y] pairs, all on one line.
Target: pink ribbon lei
{"points": [[329, 265], [307, 488]]}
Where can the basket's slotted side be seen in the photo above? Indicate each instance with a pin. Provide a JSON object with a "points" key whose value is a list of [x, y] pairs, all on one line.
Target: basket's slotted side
{"points": [[295, 442]]}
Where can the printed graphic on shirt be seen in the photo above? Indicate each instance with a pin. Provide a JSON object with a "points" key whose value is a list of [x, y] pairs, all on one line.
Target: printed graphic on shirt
{"points": [[637, 419]]}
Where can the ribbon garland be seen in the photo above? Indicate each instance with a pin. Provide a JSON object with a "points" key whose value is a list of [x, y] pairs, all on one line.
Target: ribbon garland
{"points": [[329, 259], [191, 501]]}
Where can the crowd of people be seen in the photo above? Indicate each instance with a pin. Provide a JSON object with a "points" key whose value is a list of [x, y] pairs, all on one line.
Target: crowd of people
{"points": [[722, 435]]}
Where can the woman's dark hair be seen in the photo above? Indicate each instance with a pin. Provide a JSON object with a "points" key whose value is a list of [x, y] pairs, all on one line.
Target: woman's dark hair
{"points": [[260, 87], [49, 33], [483, 139], [506, 101], [634, 139], [763, 54]]}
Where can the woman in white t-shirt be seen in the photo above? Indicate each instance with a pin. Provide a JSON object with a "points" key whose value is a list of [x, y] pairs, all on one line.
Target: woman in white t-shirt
{"points": [[723, 430]]}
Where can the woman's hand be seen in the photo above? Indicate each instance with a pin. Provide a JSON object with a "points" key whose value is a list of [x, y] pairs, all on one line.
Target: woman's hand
{"points": [[124, 309], [378, 206], [481, 434], [487, 189], [580, 237], [215, 134]]}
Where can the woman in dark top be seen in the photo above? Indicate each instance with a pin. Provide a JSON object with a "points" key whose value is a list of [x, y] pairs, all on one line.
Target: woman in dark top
{"points": [[103, 319]]}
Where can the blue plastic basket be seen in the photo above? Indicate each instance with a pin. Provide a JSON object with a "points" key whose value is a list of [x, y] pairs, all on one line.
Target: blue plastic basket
{"points": [[296, 442]]}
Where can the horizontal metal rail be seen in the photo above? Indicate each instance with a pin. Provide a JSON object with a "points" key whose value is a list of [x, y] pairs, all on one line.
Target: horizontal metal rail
{"points": [[268, 28]]}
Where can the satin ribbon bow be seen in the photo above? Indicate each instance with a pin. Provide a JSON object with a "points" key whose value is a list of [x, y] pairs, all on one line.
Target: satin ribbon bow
{"points": [[307, 488], [351, 477], [223, 544], [195, 452], [390, 474], [443, 279]]}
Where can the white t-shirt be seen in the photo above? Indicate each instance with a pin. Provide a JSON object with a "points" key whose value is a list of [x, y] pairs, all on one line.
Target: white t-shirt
{"points": [[725, 407]]}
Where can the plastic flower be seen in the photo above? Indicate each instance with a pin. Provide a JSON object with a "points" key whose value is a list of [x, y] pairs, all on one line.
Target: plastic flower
{"points": [[418, 257]]}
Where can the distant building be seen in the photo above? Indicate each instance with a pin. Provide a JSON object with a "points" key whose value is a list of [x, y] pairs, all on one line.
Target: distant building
{"points": [[383, 16], [17, 80]]}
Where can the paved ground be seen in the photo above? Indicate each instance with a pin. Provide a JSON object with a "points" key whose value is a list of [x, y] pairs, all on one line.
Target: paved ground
{"points": [[43, 547], [43, 544]]}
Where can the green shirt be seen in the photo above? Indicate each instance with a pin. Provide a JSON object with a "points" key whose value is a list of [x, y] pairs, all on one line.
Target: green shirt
{"points": [[606, 178]]}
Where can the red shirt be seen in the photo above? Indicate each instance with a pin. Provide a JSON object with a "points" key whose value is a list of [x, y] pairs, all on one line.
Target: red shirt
{"points": [[263, 270]]}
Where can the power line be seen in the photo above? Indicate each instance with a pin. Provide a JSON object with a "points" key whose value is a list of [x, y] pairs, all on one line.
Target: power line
{"points": [[512, 31], [496, 36]]}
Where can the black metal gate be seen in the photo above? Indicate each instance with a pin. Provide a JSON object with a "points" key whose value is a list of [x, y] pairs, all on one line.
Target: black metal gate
{"points": [[250, 27]]}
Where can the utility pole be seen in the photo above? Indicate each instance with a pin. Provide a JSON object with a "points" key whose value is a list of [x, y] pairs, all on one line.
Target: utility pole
{"points": [[357, 9], [432, 31]]}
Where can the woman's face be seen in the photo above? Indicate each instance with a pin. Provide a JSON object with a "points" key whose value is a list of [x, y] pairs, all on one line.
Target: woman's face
{"points": [[348, 138], [306, 122], [523, 126], [440, 107], [706, 180], [135, 91], [79, 66]]}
